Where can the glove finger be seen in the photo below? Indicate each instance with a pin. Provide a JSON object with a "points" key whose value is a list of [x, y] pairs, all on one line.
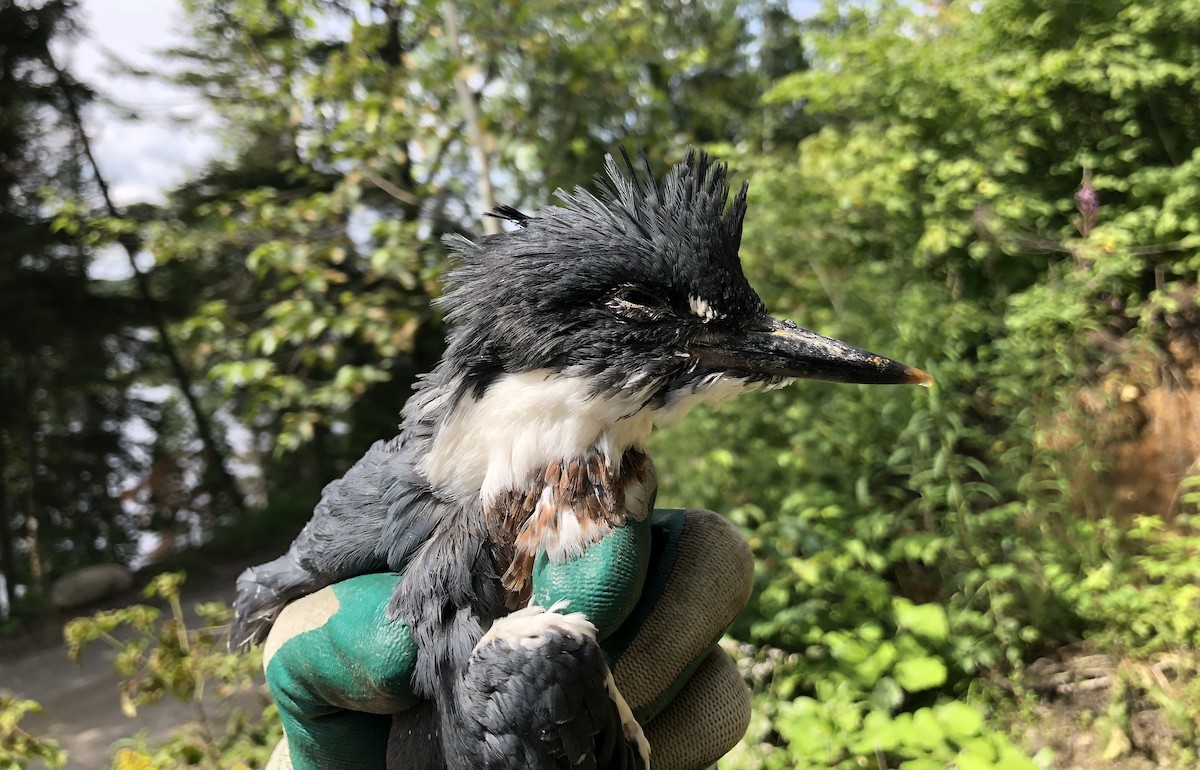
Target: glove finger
{"points": [[701, 575], [330, 657], [705, 720], [338, 645]]}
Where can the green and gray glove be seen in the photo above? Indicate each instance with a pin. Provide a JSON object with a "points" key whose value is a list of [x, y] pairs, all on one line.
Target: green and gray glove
{"points": [[660, 593]]}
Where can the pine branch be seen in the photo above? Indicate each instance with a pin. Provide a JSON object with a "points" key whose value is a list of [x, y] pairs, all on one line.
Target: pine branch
{"points": [[131, 243]]}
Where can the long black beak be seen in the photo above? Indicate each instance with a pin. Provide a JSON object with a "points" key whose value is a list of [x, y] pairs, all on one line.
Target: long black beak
{"points": [[783, 349]]}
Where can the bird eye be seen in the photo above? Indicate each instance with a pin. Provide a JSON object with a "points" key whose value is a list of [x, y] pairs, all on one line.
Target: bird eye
{"points": [[637, 304], [638, 297]]}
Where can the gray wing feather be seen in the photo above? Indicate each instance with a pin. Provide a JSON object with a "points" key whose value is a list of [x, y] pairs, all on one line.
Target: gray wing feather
{"points": [[544, 707], [372, 519]]}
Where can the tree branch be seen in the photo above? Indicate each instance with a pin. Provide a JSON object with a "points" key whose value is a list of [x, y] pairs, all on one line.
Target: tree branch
{"points": [[132, 244], [466, 101]]}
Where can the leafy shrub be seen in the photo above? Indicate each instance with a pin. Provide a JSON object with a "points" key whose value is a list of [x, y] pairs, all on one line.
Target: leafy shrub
{"points": [[160, 656], [19, 747], [989, 196]]}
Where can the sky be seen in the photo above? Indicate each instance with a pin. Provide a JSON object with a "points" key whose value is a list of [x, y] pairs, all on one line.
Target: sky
{"points": [[140, 158], [143, 158], [175, 133]]}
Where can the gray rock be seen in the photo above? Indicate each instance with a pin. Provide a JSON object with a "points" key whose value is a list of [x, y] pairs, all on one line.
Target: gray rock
{"points": [[84, 586]]}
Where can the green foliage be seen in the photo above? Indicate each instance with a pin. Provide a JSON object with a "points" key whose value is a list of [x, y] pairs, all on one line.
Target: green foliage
{"points": [[17, 746], [993, 194], [161, 656], [1003, 193], [67, 357], [1145, 603], [835, 729]]}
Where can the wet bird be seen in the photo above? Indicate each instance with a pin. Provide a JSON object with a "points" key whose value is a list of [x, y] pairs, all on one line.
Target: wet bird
{"points": [[570, 337]]}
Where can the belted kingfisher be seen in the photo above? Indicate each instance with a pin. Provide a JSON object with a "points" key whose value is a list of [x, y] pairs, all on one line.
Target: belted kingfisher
{"points": [[570, 337]]}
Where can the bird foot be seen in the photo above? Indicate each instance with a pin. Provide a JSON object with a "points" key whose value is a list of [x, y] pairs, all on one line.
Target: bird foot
{"points": [[255, 609], [633, 731], [263, 592], [530, 626]]}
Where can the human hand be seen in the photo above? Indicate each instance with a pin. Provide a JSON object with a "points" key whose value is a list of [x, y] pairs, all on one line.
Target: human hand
{"points": [[660, 593]]}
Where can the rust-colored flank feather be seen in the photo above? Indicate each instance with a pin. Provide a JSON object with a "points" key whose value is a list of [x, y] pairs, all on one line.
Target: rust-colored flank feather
{"points": [[563, 509]]}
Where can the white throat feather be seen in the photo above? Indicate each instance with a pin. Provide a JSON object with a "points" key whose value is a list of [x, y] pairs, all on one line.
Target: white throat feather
{"points": [[490, 444]]}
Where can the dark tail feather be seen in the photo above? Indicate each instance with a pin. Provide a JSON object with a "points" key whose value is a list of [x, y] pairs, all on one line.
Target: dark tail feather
{"points": [[263, 591], [538, 694]]}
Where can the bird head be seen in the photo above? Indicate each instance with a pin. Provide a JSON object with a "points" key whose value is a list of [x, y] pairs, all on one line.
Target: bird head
{"points": [[638, 290]]}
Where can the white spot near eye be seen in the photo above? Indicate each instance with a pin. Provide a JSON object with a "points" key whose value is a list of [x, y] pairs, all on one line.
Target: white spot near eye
{"points": [[701, 308]]}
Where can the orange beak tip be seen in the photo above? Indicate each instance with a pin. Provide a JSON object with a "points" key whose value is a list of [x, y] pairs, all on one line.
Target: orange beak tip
{"points": [[923, 379]]}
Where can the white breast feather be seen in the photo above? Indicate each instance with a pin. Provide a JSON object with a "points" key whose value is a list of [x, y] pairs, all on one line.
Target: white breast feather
{"points": [[525, 421]]}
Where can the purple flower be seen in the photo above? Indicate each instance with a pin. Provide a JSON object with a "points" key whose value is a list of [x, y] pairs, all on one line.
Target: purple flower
{"points": [[1087, 203], [1086, 200]]}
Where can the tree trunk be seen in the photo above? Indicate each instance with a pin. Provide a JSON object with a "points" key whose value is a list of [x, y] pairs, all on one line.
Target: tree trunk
{"points": [[33, 546], [8, 552], [131, 244], [466, 102]]}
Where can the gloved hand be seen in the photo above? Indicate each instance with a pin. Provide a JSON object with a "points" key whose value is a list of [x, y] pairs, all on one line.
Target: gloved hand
{"points": [[660, 593]]}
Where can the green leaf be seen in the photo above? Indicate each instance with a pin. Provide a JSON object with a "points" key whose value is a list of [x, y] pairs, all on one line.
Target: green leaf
{"points": [[959, 720], [975, 762], [886, 694], [927, 731], [925, 620], [917, 674]]}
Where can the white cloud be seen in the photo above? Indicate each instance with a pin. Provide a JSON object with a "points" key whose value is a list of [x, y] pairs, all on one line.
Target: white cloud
{"points": [[146, 157]]}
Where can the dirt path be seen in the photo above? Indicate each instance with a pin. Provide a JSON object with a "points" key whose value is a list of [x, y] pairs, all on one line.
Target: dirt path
{"points": [[81, 708]]}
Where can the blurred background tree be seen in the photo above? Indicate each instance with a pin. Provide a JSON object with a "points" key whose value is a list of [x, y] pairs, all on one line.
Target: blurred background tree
{"points": [[1004, 193], [69, 352]]}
